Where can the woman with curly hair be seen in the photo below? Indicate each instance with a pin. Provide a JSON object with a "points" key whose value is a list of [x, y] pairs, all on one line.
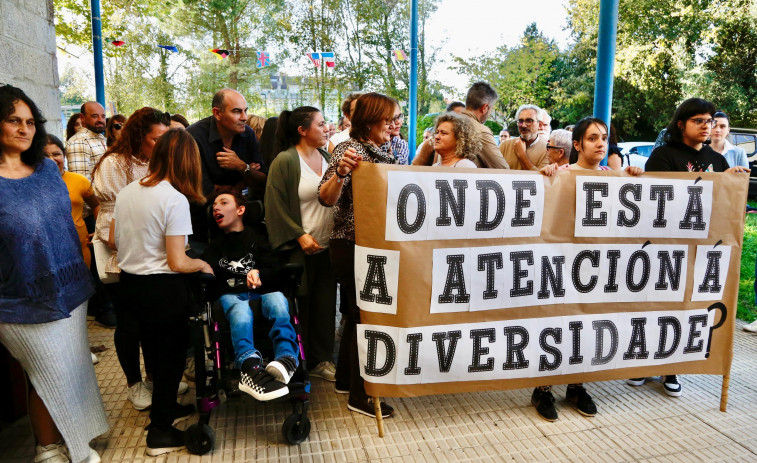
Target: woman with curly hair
{"points": [[113, 128], [124, 162], [44, 287], [455, 141]]}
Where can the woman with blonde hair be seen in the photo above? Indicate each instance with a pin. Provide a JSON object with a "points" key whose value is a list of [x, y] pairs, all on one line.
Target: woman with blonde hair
{"points": [[256, 123], [455, 141], [151, 227]]}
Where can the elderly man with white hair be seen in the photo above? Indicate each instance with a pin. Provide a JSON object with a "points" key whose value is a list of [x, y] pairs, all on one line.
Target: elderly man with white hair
{"points": [[528, 151], [544, 123]]}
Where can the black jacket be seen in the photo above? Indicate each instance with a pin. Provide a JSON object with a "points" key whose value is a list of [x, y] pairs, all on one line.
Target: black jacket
{"points": [[233, 255], [679, 157]]}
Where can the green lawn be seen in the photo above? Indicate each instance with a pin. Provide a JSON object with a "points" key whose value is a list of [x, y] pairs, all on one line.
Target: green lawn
{"points": [[747, 310]]}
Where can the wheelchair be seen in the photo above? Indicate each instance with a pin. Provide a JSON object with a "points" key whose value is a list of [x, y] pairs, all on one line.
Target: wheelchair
{"points": [[216, 380]]}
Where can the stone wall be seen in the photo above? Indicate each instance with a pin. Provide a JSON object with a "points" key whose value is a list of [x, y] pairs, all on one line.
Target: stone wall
{"points": [[27, 54]]}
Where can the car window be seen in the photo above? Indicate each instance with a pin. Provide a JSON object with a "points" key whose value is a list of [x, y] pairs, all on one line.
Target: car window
{"points": [[745, 142], [646, 150]]}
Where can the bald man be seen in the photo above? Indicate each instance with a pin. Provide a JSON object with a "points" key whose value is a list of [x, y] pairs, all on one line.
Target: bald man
{"points": [[87, 146]]}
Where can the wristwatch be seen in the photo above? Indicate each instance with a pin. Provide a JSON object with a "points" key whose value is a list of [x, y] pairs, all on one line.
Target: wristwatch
{"points": [[247, 169]]}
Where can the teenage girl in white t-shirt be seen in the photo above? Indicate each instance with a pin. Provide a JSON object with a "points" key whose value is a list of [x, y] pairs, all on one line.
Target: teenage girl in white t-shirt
{"points": [[151, 227]]}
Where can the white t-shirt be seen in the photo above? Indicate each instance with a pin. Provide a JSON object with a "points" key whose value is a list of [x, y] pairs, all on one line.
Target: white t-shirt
{"points": [[461, 163], [340, 137], [317, 220], [144, 217]]}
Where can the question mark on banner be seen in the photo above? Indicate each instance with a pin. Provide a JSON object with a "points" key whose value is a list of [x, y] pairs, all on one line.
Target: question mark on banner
{"points": [[724, 314]]}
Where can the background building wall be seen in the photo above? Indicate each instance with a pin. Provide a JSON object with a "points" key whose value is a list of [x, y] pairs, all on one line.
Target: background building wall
{"points": [[27, 55]]}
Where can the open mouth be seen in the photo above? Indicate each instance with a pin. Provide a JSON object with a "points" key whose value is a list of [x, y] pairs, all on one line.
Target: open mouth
{"points": [[218, 217]]}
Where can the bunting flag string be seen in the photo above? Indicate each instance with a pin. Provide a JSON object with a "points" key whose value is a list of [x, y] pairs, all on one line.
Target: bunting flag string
{"points": [[327, 57], [400, 55], [263, 59]]}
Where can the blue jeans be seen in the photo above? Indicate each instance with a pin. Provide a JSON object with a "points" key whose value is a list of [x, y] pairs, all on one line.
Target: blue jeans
{"points": [[275, 308]]}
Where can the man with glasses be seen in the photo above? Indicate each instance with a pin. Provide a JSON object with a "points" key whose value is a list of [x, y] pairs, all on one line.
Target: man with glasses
{"points": [[529, 150], [478, 107]]}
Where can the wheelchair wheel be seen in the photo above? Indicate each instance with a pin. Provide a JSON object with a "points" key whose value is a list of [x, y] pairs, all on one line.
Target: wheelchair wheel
{"points": [[296, 428], [199, 439]]}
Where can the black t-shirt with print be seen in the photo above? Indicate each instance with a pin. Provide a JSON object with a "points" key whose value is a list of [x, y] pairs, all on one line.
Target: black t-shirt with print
{"points": [[679, 157]]}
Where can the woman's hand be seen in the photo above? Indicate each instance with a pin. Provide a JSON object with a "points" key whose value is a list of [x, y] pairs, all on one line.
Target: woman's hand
{"points": [[549, 170], [348, 162], [738, 169], [633, 170], [206, 268], [253, 279], [309, 244]]}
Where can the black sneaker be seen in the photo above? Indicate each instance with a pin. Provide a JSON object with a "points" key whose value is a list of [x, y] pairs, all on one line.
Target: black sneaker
{"points": [[367, 408], [581, 399], [261, 385], [544, 402], [282, 369], [183, 411], [672, 386], [160, 441], [340, 388]]}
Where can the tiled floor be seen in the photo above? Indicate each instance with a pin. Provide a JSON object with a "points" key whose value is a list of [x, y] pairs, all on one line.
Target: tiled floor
{"points": [[633, 424]]}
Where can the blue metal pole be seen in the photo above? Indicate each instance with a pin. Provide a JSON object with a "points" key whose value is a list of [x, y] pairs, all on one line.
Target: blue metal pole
{"points": [[603, 81], [413, 111], [97, 49]]}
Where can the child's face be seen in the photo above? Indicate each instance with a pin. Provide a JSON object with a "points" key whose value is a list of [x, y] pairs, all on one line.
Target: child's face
{"points": [[226, 213]]}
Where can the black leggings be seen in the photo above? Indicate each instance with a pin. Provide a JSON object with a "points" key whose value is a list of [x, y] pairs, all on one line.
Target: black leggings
{"points": [[348, 365], [161, 306], [127, 338]]}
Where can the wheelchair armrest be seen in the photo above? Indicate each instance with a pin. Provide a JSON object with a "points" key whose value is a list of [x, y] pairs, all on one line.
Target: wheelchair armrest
{"points": [[292, 273], [201, 277]]}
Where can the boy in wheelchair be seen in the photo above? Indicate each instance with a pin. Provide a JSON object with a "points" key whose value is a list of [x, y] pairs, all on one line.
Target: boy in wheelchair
{"points": [[245, 269]]}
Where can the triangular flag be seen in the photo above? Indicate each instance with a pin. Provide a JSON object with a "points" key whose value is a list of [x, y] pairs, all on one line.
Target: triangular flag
{"points": [[328, 58], [169, 48], [315, 58], [263, 59], [117, 43], [221, 53], [400, 55]]}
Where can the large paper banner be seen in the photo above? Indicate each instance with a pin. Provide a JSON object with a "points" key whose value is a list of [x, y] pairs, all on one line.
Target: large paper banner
{"points": [[495, 279]]}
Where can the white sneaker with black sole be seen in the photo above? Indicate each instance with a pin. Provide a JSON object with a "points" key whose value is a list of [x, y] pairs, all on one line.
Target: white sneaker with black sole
{"points": [[261, 385], [282, 369], [672, 386]]}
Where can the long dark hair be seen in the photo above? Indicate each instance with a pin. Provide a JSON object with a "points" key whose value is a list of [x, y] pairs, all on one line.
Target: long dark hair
{"points": [[71, 125], [684, 112], [9, 96], [578, 134], [110, 136], [268, 139], [287, 134]]}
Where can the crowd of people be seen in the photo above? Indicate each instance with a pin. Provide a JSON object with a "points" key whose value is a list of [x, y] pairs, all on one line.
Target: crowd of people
{"points": [[141, 188]]}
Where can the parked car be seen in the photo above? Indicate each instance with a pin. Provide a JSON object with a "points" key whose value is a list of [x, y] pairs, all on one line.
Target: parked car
{"points": [[635, 153]]}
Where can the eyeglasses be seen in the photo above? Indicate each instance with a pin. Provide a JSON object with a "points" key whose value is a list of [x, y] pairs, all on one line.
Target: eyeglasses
{"points": [[552, 147], [117, 126], [525, 121], [699, 121]]}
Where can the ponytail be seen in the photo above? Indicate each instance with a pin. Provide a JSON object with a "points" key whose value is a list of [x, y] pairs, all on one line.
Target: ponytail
{"points": [[289, 122]]}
